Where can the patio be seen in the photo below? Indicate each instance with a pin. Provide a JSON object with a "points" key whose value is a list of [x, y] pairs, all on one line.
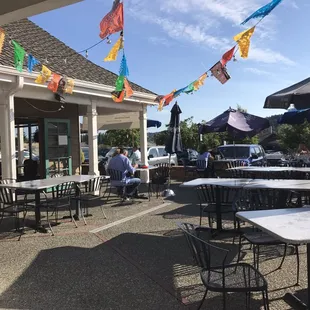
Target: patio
{"points": [[131, 260]]}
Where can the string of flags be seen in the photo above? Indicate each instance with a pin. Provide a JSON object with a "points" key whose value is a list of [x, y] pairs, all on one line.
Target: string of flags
{"points": [[112, 23], [219, 70]]}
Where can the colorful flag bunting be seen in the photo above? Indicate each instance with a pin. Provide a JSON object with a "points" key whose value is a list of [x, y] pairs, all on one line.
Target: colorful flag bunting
{"points": [[119, 84], [128, 89], [220, 73], [118, 96], [179, 92], [165, 100], [200, 81], [263, 11], [113, 21], [227, 56], [112, 56], [32, 62], [243, 40], [2, 37], [44, 75], [54, 82], [19, 55], [69, 86], [123, 67]]}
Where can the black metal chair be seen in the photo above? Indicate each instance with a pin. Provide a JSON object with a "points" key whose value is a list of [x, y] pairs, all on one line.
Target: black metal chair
{"points": [[59, 198], [89, 192], [11, 206], [222, 277], [161, 177], [116, 177], [207, 200], [258, 239]]}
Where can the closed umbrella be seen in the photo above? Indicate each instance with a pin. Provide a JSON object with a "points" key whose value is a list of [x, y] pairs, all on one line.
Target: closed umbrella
{"points": [[295, 117], [297, 94], [237, 124], [174, 142]]}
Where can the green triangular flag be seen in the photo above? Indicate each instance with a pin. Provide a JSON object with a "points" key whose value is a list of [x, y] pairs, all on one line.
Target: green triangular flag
{"points": [[19, 55], [119, 84]]}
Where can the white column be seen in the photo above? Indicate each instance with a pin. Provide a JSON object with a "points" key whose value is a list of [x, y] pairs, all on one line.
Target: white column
{"points": [[92, 139], [8, 149], [20, 146], [143, 143]]}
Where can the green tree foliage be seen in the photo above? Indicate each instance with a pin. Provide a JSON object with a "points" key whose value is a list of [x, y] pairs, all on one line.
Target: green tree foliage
{"points": [[122, 137], [290, 136]]}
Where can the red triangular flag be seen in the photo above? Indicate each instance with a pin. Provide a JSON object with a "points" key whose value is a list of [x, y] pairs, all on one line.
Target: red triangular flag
{"points": [[113, 21], [227, 56]]}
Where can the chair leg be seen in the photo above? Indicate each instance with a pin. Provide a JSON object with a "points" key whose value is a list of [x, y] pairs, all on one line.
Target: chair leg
{"points": [[284, 255], [248, 300], [103, 213], [224, 300], [240, 248], [203, 299], [23, 223], [49, 224], [298, 263], [72, 217], [266, 300], [200, 215], [83, 217]]}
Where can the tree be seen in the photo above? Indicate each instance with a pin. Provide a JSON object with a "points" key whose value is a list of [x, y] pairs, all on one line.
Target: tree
{"points": [[290, 136], [122, 137]]}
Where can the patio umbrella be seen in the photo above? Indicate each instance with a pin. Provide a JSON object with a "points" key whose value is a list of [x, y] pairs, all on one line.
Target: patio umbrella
{"points": [[297, 94], [174, 142], [237, 124], [153, 123], [295, 117]]}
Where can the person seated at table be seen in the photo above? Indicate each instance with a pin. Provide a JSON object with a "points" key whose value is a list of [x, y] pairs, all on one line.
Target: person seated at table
{"points": [[204, 161], [121, 162], [302, 149]]}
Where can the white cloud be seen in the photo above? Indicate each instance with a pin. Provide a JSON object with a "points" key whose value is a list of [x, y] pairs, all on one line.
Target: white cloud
{"points": [[189, 26], [159, 41], [256, 71]]}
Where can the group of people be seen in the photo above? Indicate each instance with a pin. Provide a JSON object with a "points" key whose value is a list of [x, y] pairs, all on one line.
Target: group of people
{"points": [[127, 166]]}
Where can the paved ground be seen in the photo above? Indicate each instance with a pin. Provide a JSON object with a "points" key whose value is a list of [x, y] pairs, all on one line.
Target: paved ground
{"points": [[131, 260]]}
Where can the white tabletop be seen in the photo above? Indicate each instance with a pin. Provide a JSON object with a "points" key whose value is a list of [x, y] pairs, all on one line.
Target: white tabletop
{"points": [[272, 169], [233, 183], [288, 225], [301, 185], [41, 184]]}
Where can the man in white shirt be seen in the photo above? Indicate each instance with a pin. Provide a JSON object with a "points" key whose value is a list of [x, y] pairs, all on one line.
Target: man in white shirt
{"points": [[135, 156], [203, 166]]}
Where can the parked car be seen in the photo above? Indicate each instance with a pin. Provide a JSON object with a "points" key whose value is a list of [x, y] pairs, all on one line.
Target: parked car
{"points": [[188, 155], [158, 155], [85, 150], [275, 158], [250, 154]]}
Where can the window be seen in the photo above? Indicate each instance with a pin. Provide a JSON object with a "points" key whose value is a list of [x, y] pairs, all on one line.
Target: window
{"points": [[162, 152], [153, 152], [258, 151], [252, 150]]}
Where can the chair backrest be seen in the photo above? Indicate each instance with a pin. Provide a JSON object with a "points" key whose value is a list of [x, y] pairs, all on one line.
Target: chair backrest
{"points": [[93, 185], [115, 175], [200, 249], [163, 170], [7, 195], [201, 164], [63, 190]]}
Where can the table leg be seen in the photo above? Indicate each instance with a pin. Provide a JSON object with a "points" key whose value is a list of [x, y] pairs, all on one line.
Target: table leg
{"points": [[218, 208], [291, 299], [78, 203], [37, 211]]}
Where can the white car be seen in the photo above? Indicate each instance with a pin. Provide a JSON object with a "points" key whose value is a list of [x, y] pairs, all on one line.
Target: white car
{"points": [[158, 155]]}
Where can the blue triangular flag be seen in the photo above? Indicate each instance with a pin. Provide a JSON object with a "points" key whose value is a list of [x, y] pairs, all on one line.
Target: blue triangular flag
{"points": [[32, 62], [123, 70], [263, 11]]}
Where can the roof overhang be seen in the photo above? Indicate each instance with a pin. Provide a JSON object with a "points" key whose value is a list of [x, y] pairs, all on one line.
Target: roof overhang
{"points": [[14, 10], [84, 93]]}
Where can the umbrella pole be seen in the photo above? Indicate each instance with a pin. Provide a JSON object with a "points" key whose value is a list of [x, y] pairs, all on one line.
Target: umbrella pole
{"points": [[168, 192]]}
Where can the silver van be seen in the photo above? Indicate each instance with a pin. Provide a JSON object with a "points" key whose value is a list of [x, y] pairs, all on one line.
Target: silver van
{"points": [[158, 155]]}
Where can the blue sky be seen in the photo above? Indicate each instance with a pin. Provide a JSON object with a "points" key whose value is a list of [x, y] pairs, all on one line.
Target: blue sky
{"points": [[170, 43]]}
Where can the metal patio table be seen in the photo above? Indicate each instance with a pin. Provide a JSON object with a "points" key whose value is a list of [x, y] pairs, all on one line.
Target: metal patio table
{"points": [[290, 226]]}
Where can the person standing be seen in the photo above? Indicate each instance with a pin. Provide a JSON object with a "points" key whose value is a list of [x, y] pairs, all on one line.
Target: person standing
{"points": [[135, 156], [204, 163]]}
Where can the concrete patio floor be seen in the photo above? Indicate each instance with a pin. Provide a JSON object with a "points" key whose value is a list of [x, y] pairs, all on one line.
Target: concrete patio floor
{"points": [[134, 259]]}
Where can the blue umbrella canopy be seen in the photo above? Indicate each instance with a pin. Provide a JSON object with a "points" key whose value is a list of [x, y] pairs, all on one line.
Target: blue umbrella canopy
{"points": [[153, 123], [295, 117], [237, 124]]}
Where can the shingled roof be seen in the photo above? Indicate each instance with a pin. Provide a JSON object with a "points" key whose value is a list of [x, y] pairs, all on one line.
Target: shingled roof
{"points": [[42, 45]]}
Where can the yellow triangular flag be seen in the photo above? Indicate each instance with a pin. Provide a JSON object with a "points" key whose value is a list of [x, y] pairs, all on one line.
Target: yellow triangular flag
{"points": [[2, 37], [243, 40], [44, 75], [114, 50]]}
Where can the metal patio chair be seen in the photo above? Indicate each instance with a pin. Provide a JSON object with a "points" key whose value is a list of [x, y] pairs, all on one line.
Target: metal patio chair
{"points": [[223, 277]]}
